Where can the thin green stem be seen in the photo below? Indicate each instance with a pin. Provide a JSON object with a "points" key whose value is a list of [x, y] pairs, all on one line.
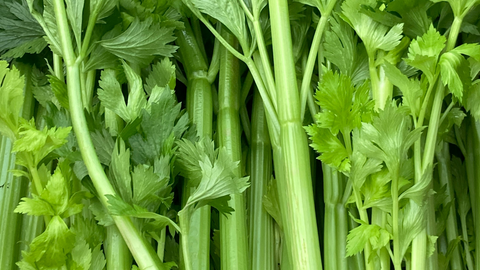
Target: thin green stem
{"points": [[397, 260], [265, 60], [58, 67], [92, 20], [312, 55]]}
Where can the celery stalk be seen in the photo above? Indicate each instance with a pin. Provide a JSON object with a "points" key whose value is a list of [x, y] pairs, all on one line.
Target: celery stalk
{"points": [[261, 231], [233, 229], [200, 110], [295, 184]]}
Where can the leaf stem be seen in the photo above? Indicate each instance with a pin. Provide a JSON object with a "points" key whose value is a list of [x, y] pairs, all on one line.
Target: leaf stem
{"points": [[312, 56]]}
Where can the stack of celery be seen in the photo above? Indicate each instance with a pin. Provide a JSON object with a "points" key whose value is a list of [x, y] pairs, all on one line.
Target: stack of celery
{"points": [[239, 134]]}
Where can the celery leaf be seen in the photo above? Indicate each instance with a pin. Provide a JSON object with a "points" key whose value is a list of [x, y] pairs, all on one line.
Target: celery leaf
{"points": [[11, 99], [141, 42], [49, 250], [425, 51], [374, 35], [331, 149]]}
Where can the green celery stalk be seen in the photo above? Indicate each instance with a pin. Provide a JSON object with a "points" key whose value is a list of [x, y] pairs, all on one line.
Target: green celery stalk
{"points": [[445, 177], [261, 231], [200, 110], [293, 160], [142, 252], [380, 218], [419, 246], [233, 229], [13, 188], [335, 220], [475, 134], [10, 192], [116, 251]]}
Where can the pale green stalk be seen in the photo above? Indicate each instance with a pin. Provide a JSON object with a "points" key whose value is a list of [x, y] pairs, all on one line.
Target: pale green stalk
{"points": [[419, 246], [335, 220], [379, 218], [200, 110], [116, 251], [445, 179], [233, 229], [142, 252], [261, 231], [13, 188], [295, 185], [475, 134]]}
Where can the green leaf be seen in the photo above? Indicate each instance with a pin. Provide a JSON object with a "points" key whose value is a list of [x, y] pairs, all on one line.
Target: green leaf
{"points": [[81, 255], [358, 237], [271, 202], [342, 49], [98, 259], [331, 150], [425, 51], [99, 57], [59, 88], [104, 145], [421, 190], [411, 223], [188, 156], [136, 96], [411, 88], [147, 185], [111, 96], [460, 7], [49, 249], [162, 74], [17, 26], [34, 46], [163, 123], [11, 99], [374, 35], [340, 111], [141, 42], [56, 192], [218, 180], [74, 9], [455, 71], [227, 12], [472, 100], [362, 167], [34, 206], [38, 143], [120, 168], [118, 207], [388, 137]]}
